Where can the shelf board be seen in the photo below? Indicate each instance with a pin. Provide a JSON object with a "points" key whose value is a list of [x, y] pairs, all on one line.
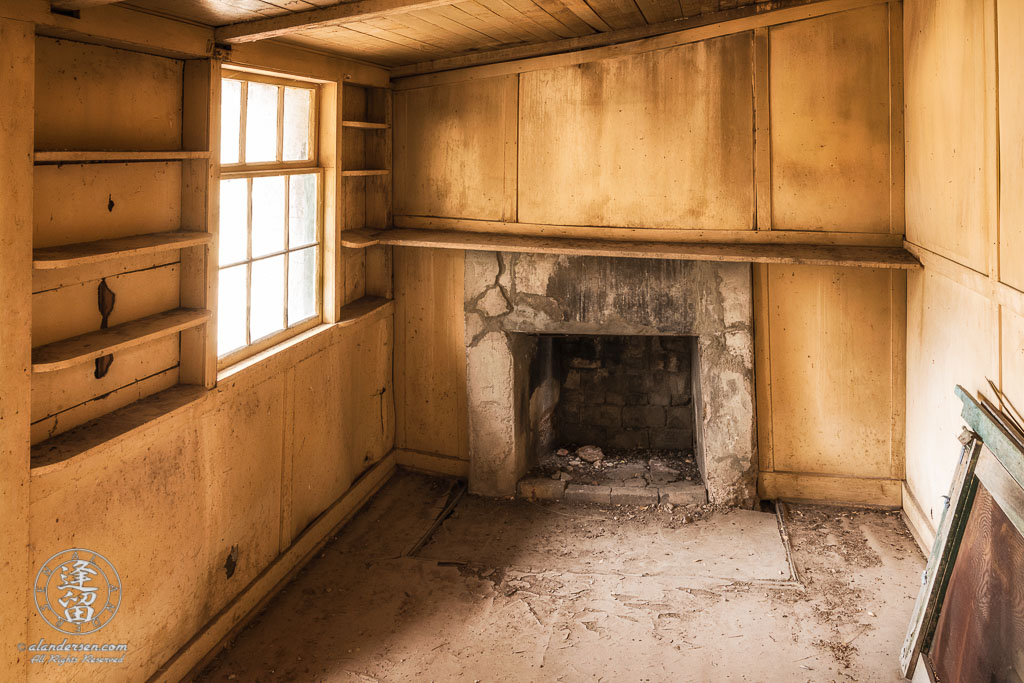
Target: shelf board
{"points": [[380, 171], [91, 345], [363, 309], [359, 239], [57, 452], [366, 125], [804, 254], [83, 157], [82, 253]]}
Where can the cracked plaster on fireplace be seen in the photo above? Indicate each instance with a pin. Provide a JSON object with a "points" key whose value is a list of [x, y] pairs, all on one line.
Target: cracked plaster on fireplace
{"points": [[510, 295]]}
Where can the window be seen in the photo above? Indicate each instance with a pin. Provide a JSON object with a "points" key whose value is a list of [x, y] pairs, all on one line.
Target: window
{"points": [[270, 214]]}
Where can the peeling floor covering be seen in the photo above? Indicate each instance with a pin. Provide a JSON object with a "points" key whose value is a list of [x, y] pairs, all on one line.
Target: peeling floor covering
{"points": [[521, 591]]}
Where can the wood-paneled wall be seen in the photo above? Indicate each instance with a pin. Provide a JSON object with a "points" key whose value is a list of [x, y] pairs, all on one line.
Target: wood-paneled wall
{"points": [[965, 221], [284, 449], [72, 109], [90, 97], [250, 465], [753, 129], [17, 83], [669, 134], [430, 360]]}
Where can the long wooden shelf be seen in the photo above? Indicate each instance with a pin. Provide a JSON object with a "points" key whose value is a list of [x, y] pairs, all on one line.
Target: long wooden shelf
{"points": [[57, 452], [366, 125], [83, 156], [366, 172], [91, 345], [82, 253], [804, 254]]}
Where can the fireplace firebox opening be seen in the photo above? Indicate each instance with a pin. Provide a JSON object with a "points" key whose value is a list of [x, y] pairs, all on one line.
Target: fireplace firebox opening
{"points": [[529, 318], [615, 411]]}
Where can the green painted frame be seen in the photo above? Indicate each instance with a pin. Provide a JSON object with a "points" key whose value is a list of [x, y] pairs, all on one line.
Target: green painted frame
{"points": [[990, 456]]}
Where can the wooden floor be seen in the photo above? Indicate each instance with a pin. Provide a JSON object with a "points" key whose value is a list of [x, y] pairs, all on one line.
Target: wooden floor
{"points": [[519, 591]]}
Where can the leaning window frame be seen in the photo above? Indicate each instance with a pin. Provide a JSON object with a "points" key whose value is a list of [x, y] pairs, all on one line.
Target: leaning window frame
{"points": [[276, 168]]}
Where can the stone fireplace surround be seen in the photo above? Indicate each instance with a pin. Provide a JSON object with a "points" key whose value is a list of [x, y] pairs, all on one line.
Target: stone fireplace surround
{"points": [[510, 298]]}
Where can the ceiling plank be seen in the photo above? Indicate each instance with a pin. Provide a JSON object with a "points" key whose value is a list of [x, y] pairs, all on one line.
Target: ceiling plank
{"points": [[335, 15], [526, 57], [73, 5]]}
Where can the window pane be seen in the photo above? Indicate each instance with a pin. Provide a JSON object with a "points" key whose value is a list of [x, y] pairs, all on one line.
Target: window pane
{"points": [[266, 308], [231, 309], [233, 215], [230, 112], [261, 123], [302, 210], [267, 215], [297, 104], [302, 282]]}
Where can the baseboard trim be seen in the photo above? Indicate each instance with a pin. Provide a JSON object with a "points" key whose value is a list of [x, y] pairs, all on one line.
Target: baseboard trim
{"points": [[432, 463], [917, 521], [206, 644], [830, 490]]}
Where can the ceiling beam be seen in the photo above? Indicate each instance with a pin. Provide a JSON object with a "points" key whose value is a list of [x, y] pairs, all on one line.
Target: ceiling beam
{"points": [[335, 15], [73, 5]]}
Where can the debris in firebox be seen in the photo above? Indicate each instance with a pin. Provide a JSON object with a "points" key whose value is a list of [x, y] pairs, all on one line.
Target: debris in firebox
{"points": [[590, 453], [630, 477], [562, 452]]}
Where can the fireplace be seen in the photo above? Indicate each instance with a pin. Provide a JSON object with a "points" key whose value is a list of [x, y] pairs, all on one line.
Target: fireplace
{"points": [[617, 392], [530, 317]]}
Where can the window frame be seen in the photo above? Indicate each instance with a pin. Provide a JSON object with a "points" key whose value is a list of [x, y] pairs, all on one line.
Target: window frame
{"points": [[278, 167]]}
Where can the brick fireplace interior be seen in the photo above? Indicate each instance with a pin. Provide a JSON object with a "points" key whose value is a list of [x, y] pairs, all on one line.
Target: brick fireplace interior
{"points": [[628, 392], [612, 418]]}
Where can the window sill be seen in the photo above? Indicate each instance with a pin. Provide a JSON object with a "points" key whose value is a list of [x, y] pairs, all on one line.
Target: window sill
{"points": [[364, 309], [257, 358]]}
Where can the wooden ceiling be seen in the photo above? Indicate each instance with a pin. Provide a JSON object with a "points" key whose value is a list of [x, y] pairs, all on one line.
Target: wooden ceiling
{"points": [[398, 33]]}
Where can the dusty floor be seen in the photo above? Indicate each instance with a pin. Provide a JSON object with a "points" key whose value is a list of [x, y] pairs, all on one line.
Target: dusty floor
{"points": [[521, 591]]}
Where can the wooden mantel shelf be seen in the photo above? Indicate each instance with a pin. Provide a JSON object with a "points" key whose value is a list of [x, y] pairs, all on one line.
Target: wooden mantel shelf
{"points": [[803, 254]]}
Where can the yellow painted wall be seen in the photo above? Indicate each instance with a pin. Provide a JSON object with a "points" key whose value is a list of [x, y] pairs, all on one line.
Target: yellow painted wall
{"points": [[965, 219], [251, 465], [17, 82], [270, 461], [794, 127]]}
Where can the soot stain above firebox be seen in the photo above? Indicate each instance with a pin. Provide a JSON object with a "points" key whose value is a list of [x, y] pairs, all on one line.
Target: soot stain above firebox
{"points": [[588, 288]]}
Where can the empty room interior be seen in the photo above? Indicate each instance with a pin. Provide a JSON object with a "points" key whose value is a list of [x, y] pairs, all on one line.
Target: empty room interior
{"points": [[512, 340]]}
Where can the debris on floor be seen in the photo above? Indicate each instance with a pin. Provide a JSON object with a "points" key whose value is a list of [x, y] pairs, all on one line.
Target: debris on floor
{"points": [[514, 590]]}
